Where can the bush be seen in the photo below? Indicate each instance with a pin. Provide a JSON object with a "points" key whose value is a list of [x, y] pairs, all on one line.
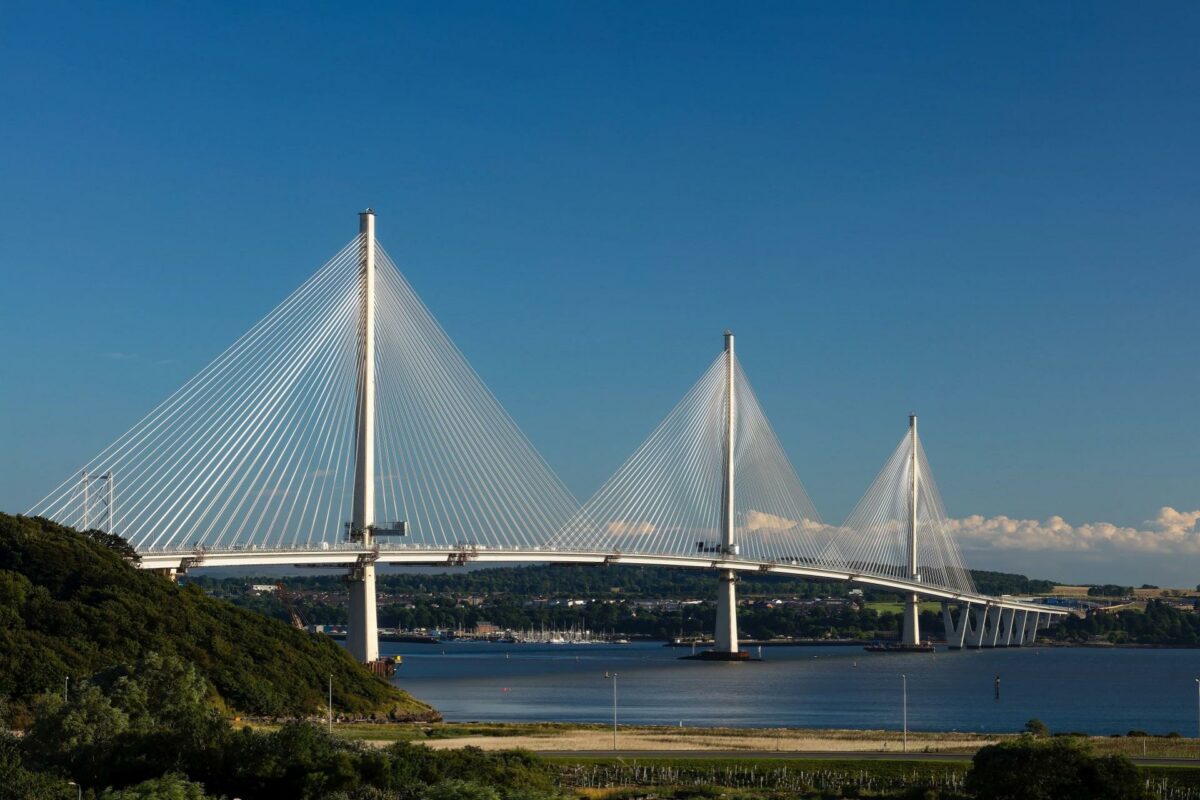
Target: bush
{"points": [[1052, 769], [1037, 728]]}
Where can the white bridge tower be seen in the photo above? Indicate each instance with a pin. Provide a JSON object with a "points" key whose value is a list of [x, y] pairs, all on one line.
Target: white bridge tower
{"points": [[912, 602], [363, 634], [725, 642]]}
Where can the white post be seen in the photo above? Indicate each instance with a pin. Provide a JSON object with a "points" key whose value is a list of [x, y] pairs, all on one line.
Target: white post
{"points": [[912, 603], [904, 679], [331, 703], [614, 680], [363, 634], [726, 638]]}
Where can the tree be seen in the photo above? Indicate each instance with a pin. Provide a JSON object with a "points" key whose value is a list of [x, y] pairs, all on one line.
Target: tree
{"points": [[168, 787], [1055, 769], [1037, 728]]}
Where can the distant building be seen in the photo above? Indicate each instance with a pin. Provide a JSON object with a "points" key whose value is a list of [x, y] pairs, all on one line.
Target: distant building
{"points": [[485, 628], [1070, 591], [263, 588]]}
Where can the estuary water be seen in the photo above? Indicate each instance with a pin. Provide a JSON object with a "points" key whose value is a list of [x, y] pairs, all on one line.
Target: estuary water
{"points": [[1096, 691]]}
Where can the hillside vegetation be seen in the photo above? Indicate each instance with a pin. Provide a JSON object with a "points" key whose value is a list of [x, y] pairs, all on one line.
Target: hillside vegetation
{"points": [[72, 605]]}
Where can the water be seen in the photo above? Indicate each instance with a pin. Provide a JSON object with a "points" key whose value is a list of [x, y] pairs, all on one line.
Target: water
{"points": [[1070, 689]]}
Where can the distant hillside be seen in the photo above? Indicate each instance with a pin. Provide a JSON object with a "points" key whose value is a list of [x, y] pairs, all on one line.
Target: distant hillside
{"points": [[586, 580], [70, 605]]}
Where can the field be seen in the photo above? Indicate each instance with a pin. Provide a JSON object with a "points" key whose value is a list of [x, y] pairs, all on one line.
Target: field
{"points": [[564, 737], [887, 606]]}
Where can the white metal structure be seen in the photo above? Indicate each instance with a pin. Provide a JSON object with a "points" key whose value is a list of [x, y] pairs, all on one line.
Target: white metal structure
{"points": [[348, 404], [726, 638], [363, 637]]}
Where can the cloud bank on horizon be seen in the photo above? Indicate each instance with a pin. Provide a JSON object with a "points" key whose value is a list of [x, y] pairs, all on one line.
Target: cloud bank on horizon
{"points": [[1161, 549]]}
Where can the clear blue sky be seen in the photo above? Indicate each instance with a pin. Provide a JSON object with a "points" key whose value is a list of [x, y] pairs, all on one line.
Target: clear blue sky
{"points": [[986, 214]]}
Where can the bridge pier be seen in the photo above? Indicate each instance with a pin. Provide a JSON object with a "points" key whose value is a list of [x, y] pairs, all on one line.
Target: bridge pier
{"points": [[911, 635], [956, 635], [362, 638], [1008, 617], [725, 642], [978, 626], [362, 635]]}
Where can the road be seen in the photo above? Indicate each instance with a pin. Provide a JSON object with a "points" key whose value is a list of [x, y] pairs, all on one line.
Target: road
{"points": [[835, 755]]}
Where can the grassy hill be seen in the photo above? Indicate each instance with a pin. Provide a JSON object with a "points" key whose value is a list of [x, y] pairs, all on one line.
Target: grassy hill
{"points": [[71, 605]]}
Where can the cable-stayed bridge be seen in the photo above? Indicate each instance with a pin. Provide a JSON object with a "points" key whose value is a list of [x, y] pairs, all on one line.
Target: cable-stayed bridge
{"points": [[346, 429]]}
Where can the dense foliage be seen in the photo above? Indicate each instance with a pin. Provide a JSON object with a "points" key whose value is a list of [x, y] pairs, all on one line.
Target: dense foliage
{"points": [[71, 605], [1160, 623], [149, 731], [609, 581], [1053, 769]]}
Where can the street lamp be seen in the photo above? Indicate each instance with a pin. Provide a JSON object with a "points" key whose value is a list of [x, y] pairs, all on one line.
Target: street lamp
{"points": [[331, 702], [904, 690], [78, 788], [613, 677], [1198, 708]]}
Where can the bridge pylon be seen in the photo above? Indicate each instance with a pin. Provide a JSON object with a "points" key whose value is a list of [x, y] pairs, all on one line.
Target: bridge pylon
{"points": [[725, 640], [911, 636], [363, 634]]}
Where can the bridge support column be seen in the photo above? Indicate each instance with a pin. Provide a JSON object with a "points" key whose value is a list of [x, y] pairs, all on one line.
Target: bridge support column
{"points": [[956, 635], [979, 616], [1038, 623], [1008, 617], [992, 636], [1019, 627], [912, 625], [363, 636], [911, 635], [726, 639]]}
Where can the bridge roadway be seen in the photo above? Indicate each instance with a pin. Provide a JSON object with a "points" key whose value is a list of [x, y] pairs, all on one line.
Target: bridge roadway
{"points": [[349, 556]]}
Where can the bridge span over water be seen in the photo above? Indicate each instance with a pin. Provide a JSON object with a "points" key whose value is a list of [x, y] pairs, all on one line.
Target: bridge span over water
{"points": [[345, 429]]}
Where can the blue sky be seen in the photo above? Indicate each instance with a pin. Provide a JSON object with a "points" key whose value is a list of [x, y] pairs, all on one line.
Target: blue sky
{"points": [[984, 214]]}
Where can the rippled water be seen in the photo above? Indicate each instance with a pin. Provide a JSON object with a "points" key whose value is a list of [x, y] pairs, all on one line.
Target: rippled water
{"points": [[1071, 689]]}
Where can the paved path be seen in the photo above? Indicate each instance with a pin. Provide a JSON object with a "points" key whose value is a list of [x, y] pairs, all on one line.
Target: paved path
{"points": [[835, 755]]}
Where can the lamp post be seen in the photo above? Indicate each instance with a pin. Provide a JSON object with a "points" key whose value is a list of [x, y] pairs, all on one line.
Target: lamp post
{"points": [[904, 695], [331, 702], [613, 677], [66, 688], [78, 788], [1198, 708]]}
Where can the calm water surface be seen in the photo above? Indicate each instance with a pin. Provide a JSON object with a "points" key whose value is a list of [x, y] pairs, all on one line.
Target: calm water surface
{"points": [[1070, 689]]}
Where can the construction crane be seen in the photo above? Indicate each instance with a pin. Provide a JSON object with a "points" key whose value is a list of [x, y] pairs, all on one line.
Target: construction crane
{"points": [[286, 599]]}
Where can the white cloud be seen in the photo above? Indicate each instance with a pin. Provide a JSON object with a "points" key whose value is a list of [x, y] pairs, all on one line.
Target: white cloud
{"points": [[762, 521], [623, 528], [1171, 532]]}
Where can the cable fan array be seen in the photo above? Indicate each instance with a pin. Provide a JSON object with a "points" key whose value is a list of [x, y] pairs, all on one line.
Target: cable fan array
{"points": [[257, 451], [876, 533], [667, 498], [451, 461]]}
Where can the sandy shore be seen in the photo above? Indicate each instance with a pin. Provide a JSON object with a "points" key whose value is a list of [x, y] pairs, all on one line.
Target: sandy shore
{"points": [[662, 738]]}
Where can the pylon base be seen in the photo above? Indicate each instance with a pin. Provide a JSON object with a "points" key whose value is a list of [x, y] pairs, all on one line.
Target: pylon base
{"points": [[713, 655]]}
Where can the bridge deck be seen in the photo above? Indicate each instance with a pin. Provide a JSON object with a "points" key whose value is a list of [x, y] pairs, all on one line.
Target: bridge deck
{"points": [[441, 556]]}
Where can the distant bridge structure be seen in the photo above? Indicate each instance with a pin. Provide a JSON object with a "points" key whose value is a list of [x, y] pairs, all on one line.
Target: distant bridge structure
{"points": [[345, 429]]}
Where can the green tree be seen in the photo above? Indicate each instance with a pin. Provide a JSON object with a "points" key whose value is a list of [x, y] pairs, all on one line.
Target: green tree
{"points": [[1037, 728], [168, 787], [1055, 769]]}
